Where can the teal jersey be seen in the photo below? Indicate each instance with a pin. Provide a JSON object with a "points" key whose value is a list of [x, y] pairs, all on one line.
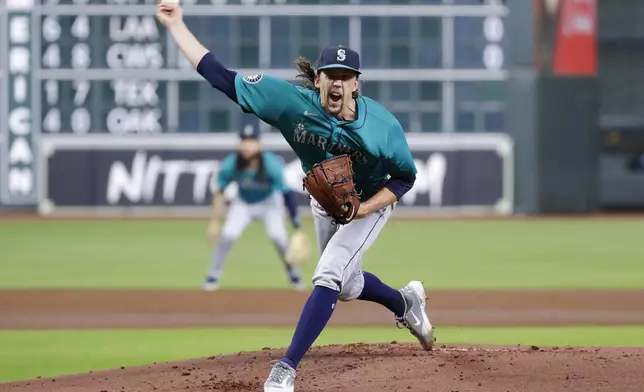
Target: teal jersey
{"points": [[375, 141], [252, 188]]}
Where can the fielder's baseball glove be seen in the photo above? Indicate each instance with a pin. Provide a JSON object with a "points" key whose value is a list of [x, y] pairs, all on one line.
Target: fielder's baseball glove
{"points": [[299, 248], [330, 183]]}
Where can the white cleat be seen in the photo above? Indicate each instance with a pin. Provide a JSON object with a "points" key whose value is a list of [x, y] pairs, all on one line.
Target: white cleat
{"points": [[415, 318], [281, 378], [210, 286], [299, 287]]}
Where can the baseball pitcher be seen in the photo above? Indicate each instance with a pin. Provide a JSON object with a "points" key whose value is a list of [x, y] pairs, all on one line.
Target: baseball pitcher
{"points": [[262, 195], [358, 165]]}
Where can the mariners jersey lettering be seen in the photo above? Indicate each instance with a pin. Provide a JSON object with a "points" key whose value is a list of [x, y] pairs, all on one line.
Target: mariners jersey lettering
{"points": [[375, 141], [252, 188]]}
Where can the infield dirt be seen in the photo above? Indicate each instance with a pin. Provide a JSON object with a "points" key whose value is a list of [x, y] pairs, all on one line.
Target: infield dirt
{"points": [[358, 367]]}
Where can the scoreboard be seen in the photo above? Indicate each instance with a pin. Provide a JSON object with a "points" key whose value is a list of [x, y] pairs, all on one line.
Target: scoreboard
{"points": [[76, 98], [82, 67]]}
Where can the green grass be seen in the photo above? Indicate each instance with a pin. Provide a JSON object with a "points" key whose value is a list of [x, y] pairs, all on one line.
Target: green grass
{"points": [[174, 254], [28, 354], [445, 254]]}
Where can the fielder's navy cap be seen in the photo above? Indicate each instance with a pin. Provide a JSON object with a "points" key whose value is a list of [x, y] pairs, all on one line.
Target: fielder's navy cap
{"points": [[249, 132], [339, 57]]}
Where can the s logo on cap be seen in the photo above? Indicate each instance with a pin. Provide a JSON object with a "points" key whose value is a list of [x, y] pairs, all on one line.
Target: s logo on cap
{"points": [[342, 55]]}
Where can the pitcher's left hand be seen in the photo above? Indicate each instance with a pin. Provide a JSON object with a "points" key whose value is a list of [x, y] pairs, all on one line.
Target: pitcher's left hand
{"points": [[363, 211]]}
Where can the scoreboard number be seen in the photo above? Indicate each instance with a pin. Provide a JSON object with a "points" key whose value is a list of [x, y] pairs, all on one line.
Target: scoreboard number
{"points": [[80, 27], [52, 34], [81, 89], [80, 56], [51, 92], [493, 30], [51, 123], [81, 121], [51, 29], [51, 57]]}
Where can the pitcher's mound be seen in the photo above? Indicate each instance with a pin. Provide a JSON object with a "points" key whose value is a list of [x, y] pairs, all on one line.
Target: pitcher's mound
{"points": [[383, 367]]}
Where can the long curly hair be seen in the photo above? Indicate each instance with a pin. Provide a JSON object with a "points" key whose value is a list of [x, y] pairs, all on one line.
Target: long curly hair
{"points": [[306, 72], [241, 164]]}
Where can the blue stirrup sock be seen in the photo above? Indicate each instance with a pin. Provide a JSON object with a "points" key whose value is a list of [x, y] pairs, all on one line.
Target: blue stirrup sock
{"points": [[315, 315], [376, 291]]}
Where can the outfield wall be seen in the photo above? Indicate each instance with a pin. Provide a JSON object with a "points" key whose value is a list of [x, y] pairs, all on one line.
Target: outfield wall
{"points": [[173, 175]]}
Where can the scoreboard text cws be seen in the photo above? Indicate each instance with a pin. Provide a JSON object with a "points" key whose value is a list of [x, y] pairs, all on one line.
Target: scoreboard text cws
{"points": [[116, 105]]}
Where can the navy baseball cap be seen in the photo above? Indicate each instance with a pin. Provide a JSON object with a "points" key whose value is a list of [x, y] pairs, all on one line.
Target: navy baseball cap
{"points": [[338, 57], [249, 132]]}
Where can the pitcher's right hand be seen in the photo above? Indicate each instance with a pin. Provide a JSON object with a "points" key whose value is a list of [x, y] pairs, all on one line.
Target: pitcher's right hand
{"points": [[169, 15]]}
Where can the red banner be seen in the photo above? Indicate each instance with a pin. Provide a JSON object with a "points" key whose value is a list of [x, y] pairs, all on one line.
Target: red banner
{"points": [[566, 33], [576, 47]]}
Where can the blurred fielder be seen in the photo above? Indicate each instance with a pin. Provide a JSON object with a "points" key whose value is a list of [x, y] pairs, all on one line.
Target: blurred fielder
{"points": [[262, 195], [358, 165]]}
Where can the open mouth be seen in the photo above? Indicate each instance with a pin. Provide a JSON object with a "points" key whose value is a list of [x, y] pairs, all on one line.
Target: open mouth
{"points": [[335, 97]]}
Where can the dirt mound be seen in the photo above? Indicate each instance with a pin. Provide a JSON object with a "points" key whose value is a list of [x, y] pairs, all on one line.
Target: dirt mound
{"points": [[355, 368], [384, 367]]}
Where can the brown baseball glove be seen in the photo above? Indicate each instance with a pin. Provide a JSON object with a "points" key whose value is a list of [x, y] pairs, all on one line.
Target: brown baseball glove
{"points": [[330, 183]]}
